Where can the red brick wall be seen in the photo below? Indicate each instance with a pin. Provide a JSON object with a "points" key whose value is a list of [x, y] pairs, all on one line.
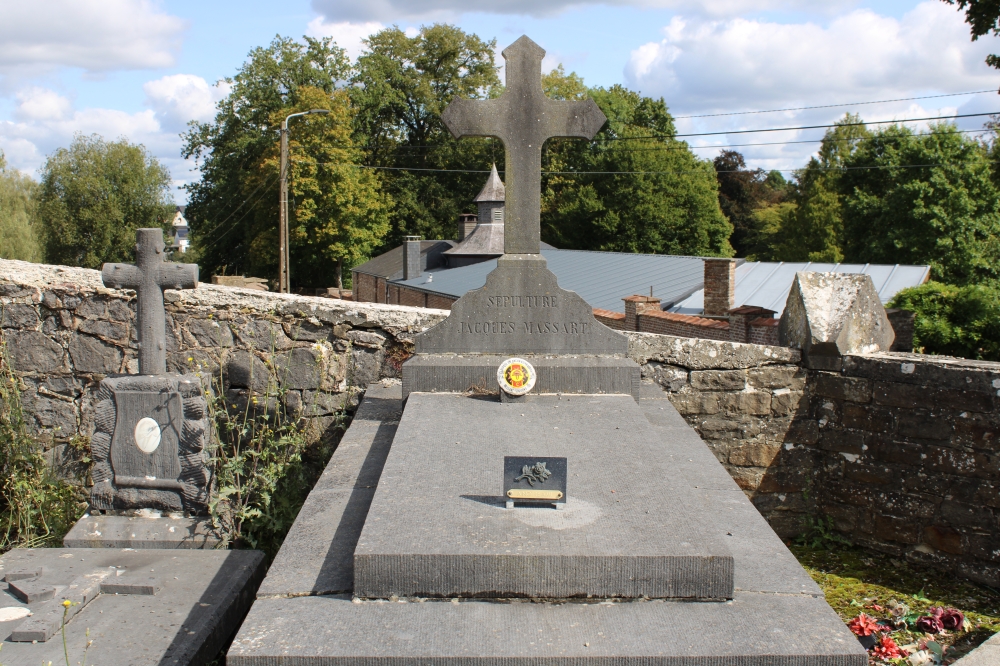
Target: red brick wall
{"points": [[685, 326], [763, 331], [379, 290], [440, 302], [364, 288], [635, 306], [615, 320], [412, 297], [720, 286]]}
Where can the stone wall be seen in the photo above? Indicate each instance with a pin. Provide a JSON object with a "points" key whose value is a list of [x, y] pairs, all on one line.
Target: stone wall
{"points": [[900, 451], [65, 332]]}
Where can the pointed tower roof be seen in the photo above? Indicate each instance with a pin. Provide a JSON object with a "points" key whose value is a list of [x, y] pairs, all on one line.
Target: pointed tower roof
{"points": [[493, 190]]}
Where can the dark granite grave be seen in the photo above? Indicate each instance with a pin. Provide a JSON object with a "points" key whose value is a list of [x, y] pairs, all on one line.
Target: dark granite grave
{"points": [[168, 474], [408, 553], [142, 582], [154, 607]]}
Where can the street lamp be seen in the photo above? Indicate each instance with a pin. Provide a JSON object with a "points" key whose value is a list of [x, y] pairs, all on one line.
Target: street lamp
{"points": [[284, 284]]}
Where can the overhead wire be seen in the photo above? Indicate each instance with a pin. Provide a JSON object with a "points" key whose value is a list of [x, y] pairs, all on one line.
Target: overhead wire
{"points": [[833, 106]]}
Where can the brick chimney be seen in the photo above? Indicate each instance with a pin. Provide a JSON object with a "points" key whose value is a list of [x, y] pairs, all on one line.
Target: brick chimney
{"points": [[635, 306], [466, 224], [411, 258], [720, 286]]}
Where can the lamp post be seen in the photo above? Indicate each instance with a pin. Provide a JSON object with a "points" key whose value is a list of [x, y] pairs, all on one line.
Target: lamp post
{"points": [[284, 284]]}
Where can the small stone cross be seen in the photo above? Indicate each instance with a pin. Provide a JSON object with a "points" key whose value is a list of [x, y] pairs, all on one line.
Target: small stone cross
{"points": [[149, 277], [523, 118]]}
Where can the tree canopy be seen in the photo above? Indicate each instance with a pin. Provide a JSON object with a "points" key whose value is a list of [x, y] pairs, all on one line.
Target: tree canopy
{"points": [[400, 87], [634, 188], [983, 17], [233, 209], [19, 229], [94, 195]]}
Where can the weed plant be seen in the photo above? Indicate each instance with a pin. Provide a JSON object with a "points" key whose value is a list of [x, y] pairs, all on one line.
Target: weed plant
{"points": [[265, 462], [36, 507]]}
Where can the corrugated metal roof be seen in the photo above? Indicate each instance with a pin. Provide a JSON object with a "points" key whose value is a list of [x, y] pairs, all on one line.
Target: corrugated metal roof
{"points": [[389, 264], [603, 279], [766, 284]]}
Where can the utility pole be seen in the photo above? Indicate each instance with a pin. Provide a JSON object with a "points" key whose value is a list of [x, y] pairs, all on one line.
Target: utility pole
{"points": [[284, 283]]}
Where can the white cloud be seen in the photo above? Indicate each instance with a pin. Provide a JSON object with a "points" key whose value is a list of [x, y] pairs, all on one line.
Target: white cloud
{"points": [[96, 35], [41, 104], [743, 63], [395, 10], [180, 98], [347, 35]]}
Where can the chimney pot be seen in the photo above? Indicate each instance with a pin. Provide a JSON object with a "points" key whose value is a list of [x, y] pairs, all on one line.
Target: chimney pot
{"points": [[411, 257]]}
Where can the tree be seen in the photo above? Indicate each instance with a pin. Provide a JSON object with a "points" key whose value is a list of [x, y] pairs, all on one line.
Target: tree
{"points": [[233, 209], [956, 321], [19, 228], [634, 188], [742, 192], [809, 225], [339, 213], [983, 16], [923, 199], [94, 195], [401, 86]]}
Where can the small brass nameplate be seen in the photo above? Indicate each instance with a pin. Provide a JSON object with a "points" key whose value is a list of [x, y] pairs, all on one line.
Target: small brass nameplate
{"points": [[535, 494]]}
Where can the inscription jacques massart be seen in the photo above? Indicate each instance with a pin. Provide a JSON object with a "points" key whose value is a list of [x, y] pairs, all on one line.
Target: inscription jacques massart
{"points": [[527, 327]]}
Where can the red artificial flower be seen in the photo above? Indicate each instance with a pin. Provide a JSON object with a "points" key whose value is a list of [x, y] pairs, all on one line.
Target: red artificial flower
{"points": [[887, 649], [930, 624], [952, 619], [863, 625]]}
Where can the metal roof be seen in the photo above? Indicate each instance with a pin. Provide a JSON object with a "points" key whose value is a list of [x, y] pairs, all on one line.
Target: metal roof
{"points": [[603, 279], [390, 264], [766, 284]]}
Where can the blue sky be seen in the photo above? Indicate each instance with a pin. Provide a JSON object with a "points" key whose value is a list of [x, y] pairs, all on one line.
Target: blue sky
{"points": [[142, 69]]}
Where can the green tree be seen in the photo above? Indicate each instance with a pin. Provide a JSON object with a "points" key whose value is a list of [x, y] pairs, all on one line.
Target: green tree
{"points": [[94, 195], [19, 229], [233, 208], [811, 227], [923, 199], [634, 188], [983, 17], [339, 214], [742, 192], [956, 321], [401, 86]]}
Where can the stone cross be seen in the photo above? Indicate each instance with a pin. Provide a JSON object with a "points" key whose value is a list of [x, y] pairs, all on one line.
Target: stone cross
{"points": [[149, 277], [523, 118]]}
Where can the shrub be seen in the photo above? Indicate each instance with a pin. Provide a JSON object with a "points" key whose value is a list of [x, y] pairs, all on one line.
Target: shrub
{"points": [[955, 321], [36, 507]]}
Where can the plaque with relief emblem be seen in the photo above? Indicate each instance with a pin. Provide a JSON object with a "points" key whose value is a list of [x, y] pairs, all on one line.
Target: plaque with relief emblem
{"points": [[534, 480]]}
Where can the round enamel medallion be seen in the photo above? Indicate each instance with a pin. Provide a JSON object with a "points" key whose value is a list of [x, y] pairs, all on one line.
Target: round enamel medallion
{"points": [[516, 376], [147, 435]]}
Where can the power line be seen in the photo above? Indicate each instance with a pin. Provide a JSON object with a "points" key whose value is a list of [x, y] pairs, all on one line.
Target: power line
{"points": [[265, 185], [832, 106], [644, 173], [808, 127]]}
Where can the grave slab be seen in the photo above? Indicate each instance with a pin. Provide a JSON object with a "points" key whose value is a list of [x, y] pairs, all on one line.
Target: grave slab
{"points": [[292, 631], [139, 531], [317, 555], [438, 525], [751, 630], [202, 598]]}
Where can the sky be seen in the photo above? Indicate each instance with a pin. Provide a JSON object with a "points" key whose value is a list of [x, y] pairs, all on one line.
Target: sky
{"points": [[144, 69]]}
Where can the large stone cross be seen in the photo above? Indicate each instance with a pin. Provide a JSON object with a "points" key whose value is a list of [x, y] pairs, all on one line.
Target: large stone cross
{"points": [[149, 277], [523, 118]]}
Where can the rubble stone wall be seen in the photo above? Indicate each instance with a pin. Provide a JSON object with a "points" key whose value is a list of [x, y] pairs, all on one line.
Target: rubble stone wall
{"points": [[901, 452]]}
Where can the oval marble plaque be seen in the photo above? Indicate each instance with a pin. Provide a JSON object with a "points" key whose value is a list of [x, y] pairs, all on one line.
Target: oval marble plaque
{"points": [[147, 435], [14, 613]]}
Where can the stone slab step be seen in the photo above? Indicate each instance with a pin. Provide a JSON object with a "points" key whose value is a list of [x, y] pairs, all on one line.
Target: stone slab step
{"points": [[438, 525], [751, 630]]}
